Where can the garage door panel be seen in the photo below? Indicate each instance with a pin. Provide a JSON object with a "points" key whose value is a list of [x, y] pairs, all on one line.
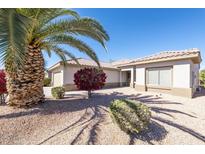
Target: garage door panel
{"points": [[57, 79]]}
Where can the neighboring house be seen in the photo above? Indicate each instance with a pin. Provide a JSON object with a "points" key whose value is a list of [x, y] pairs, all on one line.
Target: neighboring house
{"points": [[173, 72]]}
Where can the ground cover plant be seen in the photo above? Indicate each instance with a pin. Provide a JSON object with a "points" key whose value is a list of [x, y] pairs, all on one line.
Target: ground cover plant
{"points": [[58, 92], [131, 116]]}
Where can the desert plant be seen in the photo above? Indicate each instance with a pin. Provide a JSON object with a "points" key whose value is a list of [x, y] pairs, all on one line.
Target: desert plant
{"points": [[46, 82], [58, 92], [2, 82], [202, 78], [26, 32], [2, 86], [89, 79], [131, 116]]}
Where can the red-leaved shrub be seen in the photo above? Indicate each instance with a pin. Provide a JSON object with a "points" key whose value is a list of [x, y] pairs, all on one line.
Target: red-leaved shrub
{"points": [[89, 79], [2, 82]]}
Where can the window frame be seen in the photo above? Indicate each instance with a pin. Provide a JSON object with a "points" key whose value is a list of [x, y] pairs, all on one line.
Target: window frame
{"points": [[158, 70]]}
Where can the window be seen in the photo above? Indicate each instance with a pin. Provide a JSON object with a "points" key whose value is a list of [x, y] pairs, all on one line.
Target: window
{"points": [[159, 76], [153, 77]]}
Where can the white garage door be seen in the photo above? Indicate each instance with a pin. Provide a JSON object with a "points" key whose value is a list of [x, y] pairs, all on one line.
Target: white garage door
{"points": [[57, 79]]}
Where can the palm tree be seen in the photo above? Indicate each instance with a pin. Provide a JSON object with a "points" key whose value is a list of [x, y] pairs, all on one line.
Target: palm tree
{"points": [[26, 33]]}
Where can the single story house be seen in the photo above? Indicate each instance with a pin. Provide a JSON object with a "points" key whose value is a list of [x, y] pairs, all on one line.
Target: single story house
{"points": [[172, 72], [64, 75]]}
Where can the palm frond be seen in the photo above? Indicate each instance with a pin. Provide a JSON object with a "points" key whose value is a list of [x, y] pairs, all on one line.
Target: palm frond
{"points": [[83, 26], [46, 29], [59, 51], [46, 14], [55, 13], [61, 55], [13, 37], [47, 48], [76, 43], [42, 16]]}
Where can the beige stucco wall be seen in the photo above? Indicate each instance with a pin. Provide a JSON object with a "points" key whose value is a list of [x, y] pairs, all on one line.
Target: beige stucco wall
{"points": [[140, 76], [184, 76], [112, 76], [58, 82], [69, 71], [181, 72], [181, 77]]}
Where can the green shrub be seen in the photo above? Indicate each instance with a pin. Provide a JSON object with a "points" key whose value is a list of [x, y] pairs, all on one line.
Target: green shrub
{"points": [[202, 78], [47, 82], [58, 92], [131, 116]]}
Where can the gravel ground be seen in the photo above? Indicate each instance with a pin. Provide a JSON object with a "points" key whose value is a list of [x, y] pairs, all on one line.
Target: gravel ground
{"points": [[76, 120]]}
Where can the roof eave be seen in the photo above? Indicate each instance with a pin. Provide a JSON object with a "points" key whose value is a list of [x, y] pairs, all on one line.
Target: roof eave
{"points": [[54, 66], [196, 59], [60, 63]]}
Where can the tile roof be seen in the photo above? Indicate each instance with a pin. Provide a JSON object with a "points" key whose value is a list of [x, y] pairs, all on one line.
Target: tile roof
{"points": [[163, 56], [123, 61], [158, 57], [86, 62]]}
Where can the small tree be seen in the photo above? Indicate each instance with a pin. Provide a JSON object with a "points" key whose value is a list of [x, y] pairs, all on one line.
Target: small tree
{"points": [[202, 78], [2, 82], [89, 79], [2, 85]]}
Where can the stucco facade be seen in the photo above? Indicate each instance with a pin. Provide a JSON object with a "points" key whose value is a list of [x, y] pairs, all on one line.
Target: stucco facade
{"points": [[57, 76], [174, 73], [184, 77], [64, 76]]}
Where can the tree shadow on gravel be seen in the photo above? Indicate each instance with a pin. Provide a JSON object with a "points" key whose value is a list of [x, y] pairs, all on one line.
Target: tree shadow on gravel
{"points": [[94, 130], [155, 132], [98, 105], [181, 127]]}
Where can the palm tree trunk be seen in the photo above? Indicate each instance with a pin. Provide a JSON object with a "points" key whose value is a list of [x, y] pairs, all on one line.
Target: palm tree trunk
{"points": [[25, 87]]}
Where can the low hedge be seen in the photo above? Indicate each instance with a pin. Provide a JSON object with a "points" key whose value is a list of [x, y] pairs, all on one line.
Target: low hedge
{"points": [[131, 116], [58, 92], [47, 82]]}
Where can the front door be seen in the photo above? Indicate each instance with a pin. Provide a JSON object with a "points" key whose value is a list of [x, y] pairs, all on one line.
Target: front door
{"points": [[128, 78]]}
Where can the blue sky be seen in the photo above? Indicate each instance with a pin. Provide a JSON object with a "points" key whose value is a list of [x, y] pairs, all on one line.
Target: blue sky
{"points": [[140, 32]]}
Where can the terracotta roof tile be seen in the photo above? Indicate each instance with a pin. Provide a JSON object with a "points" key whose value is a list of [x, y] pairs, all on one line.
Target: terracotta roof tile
{"points": [[123, 61], [86, 62], [161, 56], [165, 55]]}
